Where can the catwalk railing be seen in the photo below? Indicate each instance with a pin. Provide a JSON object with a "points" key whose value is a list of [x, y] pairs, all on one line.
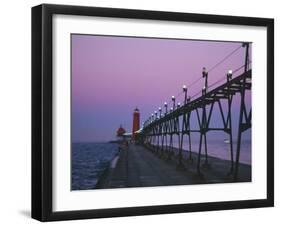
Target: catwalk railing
{"points": [[172, 128]]}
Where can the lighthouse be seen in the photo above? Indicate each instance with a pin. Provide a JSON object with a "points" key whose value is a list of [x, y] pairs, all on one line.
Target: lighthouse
{"points": [[136, 123], [120, 132]]}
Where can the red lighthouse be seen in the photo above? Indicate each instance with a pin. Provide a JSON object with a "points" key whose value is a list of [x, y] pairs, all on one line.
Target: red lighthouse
{"points": [[120, 132], [136, 123]]}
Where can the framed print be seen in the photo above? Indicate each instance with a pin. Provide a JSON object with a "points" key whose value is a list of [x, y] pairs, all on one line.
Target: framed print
{"points": [[145, 112]]}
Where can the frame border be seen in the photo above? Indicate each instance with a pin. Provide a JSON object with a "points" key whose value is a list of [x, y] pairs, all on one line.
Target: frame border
{"points": [[41, 205]]}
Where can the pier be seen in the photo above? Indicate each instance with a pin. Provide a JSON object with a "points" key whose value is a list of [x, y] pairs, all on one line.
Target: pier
{"points": [[165, 128], [136, 166], [156, 154]]}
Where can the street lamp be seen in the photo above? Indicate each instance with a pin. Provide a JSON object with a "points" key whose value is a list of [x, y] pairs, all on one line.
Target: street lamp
{"points": [[160, 110], [179, 104], [155, 113], [205, 75], [229, 75], [184, 88], [166, 107], [174, 101]]}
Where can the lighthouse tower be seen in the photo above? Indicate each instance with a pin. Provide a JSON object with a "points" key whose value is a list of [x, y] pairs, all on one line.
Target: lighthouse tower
{"points": [[136, 123]]}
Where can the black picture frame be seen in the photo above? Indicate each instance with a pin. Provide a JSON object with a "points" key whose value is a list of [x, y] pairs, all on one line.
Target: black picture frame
{"points": [[42, 111]]}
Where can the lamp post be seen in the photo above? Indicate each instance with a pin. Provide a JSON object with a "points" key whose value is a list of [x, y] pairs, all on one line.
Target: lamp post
{"points": [[166, 107], [205, 75], [174, 102], [229, 75], [160, 111], [178, 105], [184, 88], [246, 45]]}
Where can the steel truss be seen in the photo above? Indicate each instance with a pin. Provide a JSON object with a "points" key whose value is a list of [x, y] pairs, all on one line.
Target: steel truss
{"points": [[161, 133]]}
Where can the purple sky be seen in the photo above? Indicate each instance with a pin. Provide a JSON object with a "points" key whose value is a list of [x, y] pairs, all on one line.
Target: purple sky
{"points": [[113, 75]]}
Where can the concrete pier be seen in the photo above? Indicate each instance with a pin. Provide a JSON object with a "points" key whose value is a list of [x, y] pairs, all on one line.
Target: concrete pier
{"points": [[136, 166]]}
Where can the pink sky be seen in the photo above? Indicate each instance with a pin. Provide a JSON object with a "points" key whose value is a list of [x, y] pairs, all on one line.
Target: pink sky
{"points": [[113, 75]]}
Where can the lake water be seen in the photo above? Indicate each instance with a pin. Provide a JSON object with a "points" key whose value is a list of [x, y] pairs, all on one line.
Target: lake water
{"points": [[89, 160], [222, 150]]}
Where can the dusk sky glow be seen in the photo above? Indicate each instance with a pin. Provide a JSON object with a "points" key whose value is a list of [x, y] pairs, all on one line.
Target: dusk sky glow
{"points": [[113, 75]]}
